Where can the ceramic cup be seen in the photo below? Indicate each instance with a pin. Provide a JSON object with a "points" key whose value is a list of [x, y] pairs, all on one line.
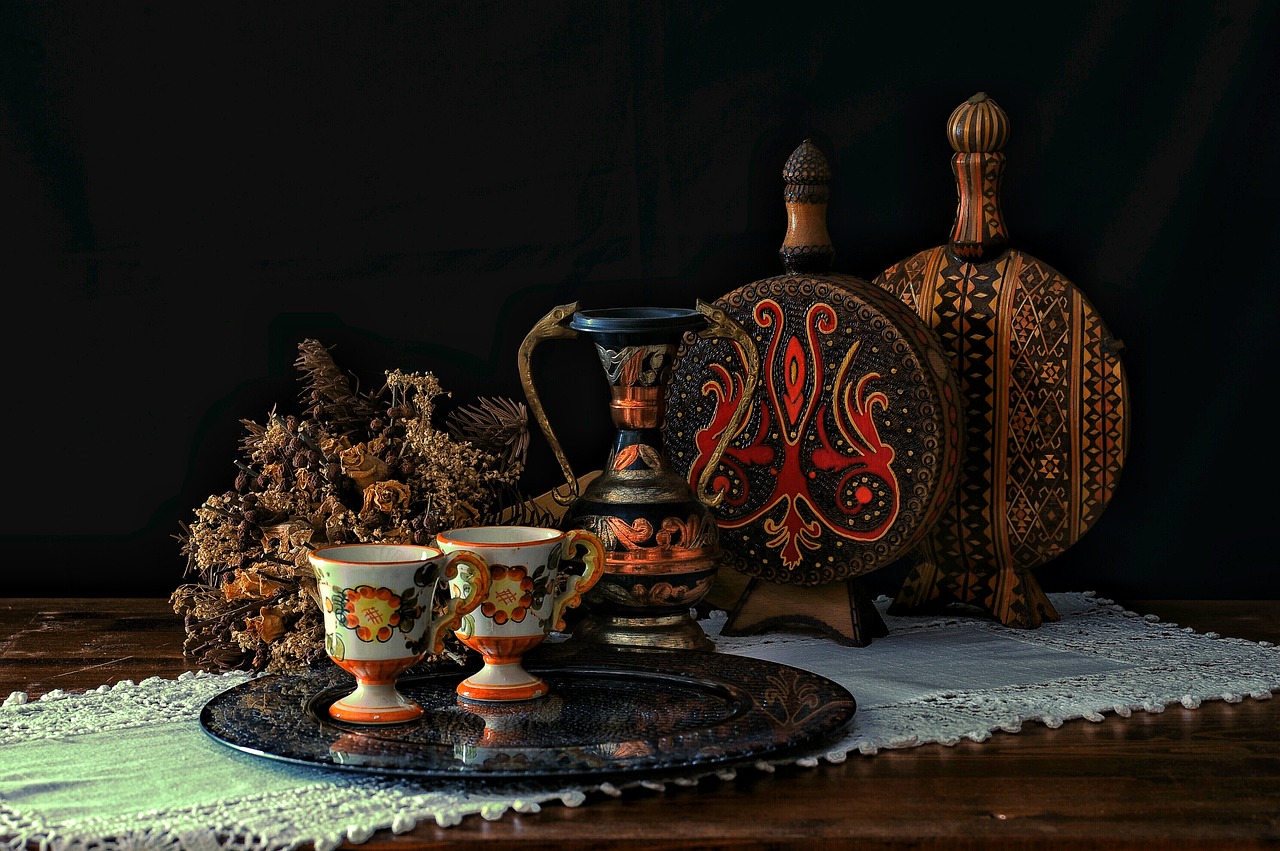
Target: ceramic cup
{"points": [[377, 602], [527, 598]]}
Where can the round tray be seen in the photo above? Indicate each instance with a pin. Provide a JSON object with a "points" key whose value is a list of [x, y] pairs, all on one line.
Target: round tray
{"points": [[609, 712]]}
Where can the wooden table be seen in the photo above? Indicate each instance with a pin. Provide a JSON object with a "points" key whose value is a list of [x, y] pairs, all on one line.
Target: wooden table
{"points": [[1184, 779]]}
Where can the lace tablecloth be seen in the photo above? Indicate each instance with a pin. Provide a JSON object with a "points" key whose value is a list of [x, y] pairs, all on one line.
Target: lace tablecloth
{"points": [[128, 766]]}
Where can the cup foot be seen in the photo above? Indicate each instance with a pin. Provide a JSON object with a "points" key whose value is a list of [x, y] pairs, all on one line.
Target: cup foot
{"points": [[501, 683], [375, 704]]}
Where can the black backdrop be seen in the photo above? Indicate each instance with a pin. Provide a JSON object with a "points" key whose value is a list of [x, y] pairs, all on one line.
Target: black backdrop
{"points": [[189, 190]]}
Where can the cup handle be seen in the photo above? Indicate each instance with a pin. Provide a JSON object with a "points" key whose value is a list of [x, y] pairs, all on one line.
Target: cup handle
{"points": [[578, 585], [475, 584]]}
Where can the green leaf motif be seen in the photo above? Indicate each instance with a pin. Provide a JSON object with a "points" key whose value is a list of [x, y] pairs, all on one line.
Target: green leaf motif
{"points": [[334, 647]]}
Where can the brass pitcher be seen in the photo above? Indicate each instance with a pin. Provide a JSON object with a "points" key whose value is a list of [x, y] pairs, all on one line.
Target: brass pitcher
{"points": [[662, 545]]}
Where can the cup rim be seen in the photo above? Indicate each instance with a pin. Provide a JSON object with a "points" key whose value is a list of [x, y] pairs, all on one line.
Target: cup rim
{"points": [[331, 553], [533, 536]]}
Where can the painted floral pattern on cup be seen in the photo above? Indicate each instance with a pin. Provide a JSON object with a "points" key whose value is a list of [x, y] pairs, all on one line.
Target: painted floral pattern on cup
{"points": [[374, 614], [514, 593], [511, 591]]}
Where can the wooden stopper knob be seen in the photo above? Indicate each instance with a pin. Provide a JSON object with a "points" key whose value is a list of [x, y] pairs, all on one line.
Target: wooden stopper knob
{"points": [[807, 246], [978, 130], [978, 126]]}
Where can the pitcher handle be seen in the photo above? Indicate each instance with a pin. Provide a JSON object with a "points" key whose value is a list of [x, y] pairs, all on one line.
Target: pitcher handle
{"points": [[549, 327], [721, 326], [475, 588], [578, 585]]}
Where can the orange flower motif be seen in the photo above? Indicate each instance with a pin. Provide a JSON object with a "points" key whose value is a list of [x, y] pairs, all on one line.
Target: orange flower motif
{"points": [[372, 612], [510, 594]]}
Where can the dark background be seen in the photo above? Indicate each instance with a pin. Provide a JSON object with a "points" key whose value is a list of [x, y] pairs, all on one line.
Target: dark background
{"points": [[188, 191]]}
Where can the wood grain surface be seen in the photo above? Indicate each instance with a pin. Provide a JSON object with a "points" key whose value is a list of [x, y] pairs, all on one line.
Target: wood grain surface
{"points": [[1186, 779]]}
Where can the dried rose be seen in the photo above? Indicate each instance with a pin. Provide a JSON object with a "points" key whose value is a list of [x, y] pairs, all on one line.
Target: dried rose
{"points": [[269, 625], [387, 497], [287, 537], [249, 585], [362, 465], [332, 445]]}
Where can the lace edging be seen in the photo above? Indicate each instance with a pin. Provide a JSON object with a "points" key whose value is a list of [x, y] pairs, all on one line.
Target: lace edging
{"points": [[1186, 668]]}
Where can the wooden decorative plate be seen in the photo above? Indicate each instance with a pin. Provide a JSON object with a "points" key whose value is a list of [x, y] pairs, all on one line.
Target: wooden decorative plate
{"points": [[849, 451]]}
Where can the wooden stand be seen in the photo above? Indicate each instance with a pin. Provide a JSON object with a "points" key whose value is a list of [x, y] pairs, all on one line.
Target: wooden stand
{"points": [[1010, 595], [841, 611]]}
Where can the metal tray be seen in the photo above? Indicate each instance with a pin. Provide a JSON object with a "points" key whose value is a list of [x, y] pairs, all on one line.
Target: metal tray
{"points": [[609, 712]]}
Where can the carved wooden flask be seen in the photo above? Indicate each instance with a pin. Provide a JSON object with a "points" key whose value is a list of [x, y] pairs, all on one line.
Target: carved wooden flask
{"points": [[850, 446], [1044, 393]]}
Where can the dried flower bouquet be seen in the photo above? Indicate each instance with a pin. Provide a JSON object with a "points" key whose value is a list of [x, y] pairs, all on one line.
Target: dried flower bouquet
{"points": [[351, 467]]}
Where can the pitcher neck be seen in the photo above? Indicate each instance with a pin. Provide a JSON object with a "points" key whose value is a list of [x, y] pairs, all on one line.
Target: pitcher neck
{"points": [[638, 379]]}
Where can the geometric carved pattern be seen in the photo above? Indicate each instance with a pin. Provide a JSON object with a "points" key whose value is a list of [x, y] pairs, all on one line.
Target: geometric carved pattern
{"points": [[1046, 427]]}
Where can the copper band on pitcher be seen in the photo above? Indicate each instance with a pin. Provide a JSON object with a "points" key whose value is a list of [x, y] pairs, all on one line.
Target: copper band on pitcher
{"points": [[637, 407], [659, 563]]}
